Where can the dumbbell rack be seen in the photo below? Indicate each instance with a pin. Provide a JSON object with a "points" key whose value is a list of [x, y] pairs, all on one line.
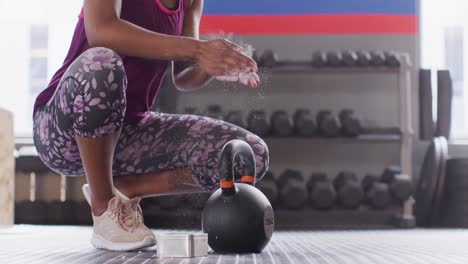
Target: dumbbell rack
{"points": [[400, 134], [406, 131], [407, 216]]}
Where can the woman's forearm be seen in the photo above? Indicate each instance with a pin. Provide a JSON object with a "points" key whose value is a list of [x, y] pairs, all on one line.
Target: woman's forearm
{"points": [[104, 27], [129, 39], [189, 77]]}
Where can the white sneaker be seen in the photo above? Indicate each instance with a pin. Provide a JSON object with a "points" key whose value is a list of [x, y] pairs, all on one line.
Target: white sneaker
{"points": [[87, 193], [121, 227]]}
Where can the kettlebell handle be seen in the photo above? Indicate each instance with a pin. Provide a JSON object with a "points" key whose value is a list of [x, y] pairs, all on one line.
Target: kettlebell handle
{"points": [[231, 151]]}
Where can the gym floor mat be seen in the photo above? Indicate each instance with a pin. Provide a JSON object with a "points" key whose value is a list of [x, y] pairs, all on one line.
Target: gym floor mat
{"points": [[69, 245]]}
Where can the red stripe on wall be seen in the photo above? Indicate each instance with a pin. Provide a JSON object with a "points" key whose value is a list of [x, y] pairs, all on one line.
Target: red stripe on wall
{"points": [[309, 24]]}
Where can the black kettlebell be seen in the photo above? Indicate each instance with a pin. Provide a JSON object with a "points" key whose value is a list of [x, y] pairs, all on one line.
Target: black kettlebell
{"points": [[238, 217]]}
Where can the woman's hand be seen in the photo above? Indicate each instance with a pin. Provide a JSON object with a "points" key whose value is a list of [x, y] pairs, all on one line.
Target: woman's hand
{"points": [[246, 78], [220, 57]]}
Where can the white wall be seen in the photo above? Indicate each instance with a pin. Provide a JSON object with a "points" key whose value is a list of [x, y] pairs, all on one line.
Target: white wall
{"points": [[16, 17], [14, 71]]}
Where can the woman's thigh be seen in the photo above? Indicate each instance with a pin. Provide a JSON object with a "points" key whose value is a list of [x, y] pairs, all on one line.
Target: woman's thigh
{"points": [[89, 101], [162, 142]]}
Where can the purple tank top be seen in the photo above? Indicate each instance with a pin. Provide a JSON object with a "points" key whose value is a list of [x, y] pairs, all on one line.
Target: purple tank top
{"points": [[144, 75]]}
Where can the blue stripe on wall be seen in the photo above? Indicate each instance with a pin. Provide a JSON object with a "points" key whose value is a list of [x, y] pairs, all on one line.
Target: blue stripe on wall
{"points": [[300, 7]]}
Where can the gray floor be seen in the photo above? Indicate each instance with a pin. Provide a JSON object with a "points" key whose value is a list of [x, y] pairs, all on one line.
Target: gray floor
{"points": [[42, 244]]}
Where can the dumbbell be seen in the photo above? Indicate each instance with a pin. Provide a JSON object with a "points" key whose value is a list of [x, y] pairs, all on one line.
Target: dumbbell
{"points": [[235, 118], [190, 111], [349, 191], [328, 124], [304, 124], [257, 123], [269, 187], [319, 59], [401, 185], [293, 189], [391, 59], [281, 124], [377, 193], [322, 194], [350, 123], [377, 58], [268, 59], [215, 112], [334, 59], [363, 58], [350, 58]]}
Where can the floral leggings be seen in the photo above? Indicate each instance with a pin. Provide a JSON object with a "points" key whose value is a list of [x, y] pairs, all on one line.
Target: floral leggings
{"points": [[90, 101]]}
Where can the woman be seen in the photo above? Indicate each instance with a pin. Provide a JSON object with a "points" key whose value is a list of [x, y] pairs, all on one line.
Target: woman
{"points": [[93, 119]]}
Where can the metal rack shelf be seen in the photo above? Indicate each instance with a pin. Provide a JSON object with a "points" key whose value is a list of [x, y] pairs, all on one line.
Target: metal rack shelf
{"points": [[368, 135], [382, 138], [405, 124], [306, 67], [402, 134]]}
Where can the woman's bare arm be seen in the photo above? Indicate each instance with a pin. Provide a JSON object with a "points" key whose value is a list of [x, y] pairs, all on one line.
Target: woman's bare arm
{"points": [[187, 75], [105, 28]]}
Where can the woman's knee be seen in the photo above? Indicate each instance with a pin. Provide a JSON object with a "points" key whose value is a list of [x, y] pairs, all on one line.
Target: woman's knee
{"points": [[101, 101], [99, 59], [100, 69]]}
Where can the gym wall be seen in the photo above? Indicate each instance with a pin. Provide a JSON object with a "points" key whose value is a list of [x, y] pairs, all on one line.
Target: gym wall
{"points": [[295, 29]]}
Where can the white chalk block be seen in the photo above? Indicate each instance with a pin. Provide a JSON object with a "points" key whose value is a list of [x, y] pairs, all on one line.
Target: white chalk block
{"points": [[182, 245]]}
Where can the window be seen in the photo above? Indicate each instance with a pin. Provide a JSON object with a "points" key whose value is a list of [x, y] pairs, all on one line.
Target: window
{"points": [[444, 28], [36, 36], [39, 39]]}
